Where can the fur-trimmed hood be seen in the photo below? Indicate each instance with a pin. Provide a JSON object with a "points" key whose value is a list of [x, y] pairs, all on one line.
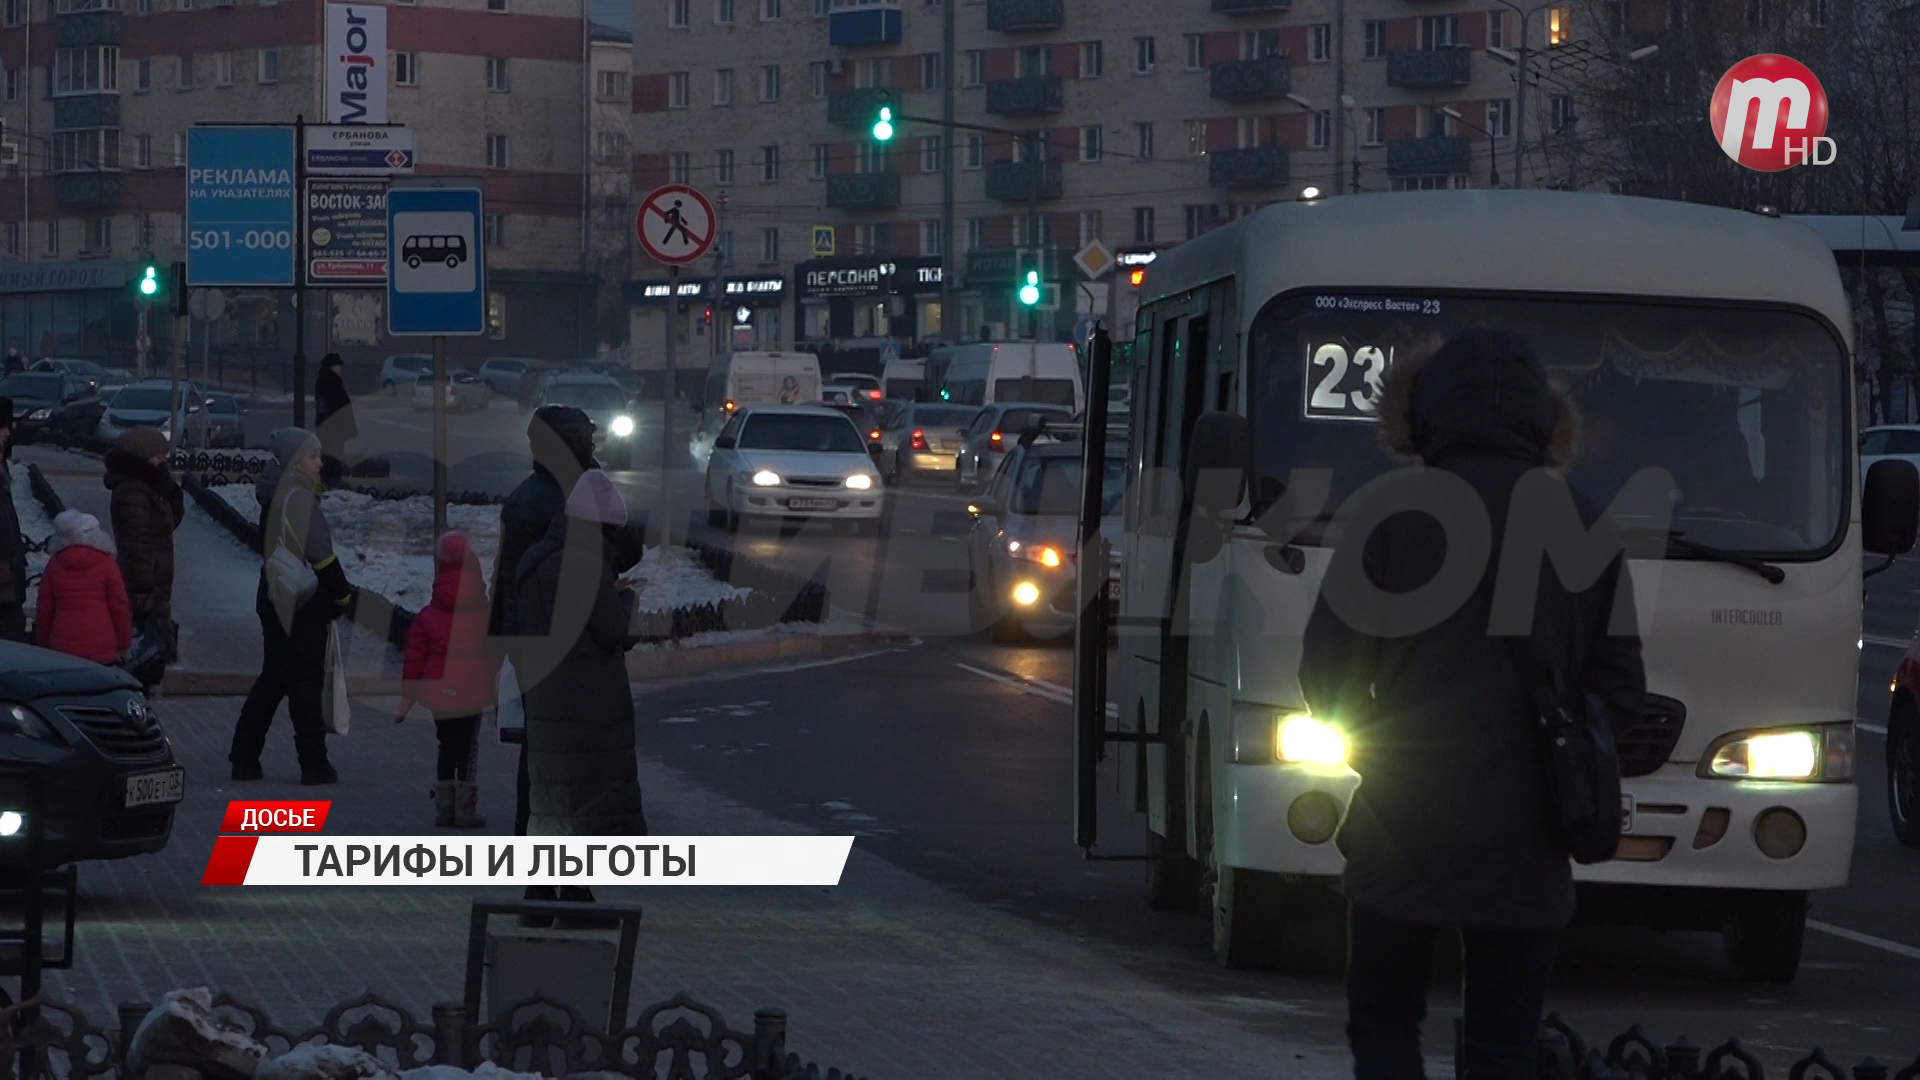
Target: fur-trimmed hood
{"points": [[1482, 391]]}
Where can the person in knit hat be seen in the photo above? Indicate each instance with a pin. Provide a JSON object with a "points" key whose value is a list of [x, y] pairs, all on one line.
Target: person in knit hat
{"points": [[450, 668], [583, 776], [13, 548], [147, 507], [83, 608]]}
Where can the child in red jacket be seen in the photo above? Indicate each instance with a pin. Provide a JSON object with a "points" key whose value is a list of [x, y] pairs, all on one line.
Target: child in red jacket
{"points": [[451, 668], [83, 609]]}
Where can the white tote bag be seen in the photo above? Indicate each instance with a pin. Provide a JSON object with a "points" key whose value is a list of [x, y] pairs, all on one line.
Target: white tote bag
{"points": [[512, 715], [334, 705]]}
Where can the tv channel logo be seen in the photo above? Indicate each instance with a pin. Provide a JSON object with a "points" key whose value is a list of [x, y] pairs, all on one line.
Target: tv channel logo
{"points": [[1769, 113]]}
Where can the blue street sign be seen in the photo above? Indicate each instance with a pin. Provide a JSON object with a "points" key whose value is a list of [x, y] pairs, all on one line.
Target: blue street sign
{"points": [[241, 207], [436, 259], [1083, 329]]}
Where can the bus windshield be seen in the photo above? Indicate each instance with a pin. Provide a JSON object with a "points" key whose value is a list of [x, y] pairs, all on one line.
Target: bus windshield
{"points": [[1745, 408]]}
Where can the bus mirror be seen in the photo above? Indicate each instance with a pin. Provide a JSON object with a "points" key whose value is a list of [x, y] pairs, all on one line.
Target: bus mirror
{"points": [[1890, 508], [1218, 457]]}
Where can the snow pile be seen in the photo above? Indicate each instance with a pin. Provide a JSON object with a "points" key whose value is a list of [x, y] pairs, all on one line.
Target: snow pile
{"points": [[386, 546], [33, 525]]}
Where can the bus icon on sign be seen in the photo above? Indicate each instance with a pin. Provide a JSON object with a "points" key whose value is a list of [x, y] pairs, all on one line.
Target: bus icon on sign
{"points": [[451, 250]]}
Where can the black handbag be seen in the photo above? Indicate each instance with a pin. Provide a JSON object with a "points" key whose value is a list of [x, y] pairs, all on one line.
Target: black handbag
{"points": [[1582, 762]]}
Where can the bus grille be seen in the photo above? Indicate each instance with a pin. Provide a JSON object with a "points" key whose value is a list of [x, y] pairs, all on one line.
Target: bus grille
{"points": [[1647, 742]]}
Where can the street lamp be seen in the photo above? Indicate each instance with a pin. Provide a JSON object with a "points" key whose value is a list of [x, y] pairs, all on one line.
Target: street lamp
{"points": [[1493, 156], [1346, 103]]}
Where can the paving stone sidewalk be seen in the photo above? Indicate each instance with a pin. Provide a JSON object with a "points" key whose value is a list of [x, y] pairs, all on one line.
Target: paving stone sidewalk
{"points": [[885, 975]]}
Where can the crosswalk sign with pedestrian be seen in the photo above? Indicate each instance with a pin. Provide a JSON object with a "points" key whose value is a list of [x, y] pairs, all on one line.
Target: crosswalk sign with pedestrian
{"points": [[823, 241]]}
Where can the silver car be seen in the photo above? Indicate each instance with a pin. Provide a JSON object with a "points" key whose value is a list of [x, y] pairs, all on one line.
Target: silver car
{"points": [[923, 439], [144, 404], [1024, 543], [992, 434]]}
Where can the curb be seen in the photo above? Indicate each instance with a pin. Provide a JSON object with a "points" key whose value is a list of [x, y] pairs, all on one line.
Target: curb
{"points": [[674, 663]]}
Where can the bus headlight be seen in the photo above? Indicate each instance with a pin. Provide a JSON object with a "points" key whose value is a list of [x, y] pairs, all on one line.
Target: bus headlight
{"points": [[622, 426], [766, 478], [1304, 740], [1823, 752]]}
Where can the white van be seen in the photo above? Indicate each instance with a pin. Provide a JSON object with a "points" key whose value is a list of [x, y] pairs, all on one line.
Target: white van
{"points": [[900, 378], [988, 373], [754, 378]]}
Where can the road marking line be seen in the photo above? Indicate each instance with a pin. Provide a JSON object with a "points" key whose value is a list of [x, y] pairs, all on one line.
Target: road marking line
{"points": [[1858, 938], [1039, 688], [1887, 642]]}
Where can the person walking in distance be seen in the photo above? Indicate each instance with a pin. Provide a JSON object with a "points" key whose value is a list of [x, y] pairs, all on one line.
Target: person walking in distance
{"points": [[15, 362], [13, 546], [82, 609], [294, 657], [147, 507], [1452, 827], [450, 668], [333, 417]]}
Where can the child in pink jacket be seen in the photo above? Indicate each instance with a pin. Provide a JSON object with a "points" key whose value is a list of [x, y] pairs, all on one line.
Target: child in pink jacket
{"points": [[83, 609], [451, 668]]}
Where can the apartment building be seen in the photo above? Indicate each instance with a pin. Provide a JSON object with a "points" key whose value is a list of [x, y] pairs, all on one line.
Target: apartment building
{"points": [[611, 239], [97, 97], [1155, 120]]}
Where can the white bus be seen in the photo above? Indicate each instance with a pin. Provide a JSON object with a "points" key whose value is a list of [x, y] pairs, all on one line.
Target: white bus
{"points": [[987, 373], [1714, 343], [753, 378]]}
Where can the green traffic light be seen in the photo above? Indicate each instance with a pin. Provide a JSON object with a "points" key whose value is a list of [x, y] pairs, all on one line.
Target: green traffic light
{"points": [[150, 281], [883, 125], [946, 394], [1030, 292]]}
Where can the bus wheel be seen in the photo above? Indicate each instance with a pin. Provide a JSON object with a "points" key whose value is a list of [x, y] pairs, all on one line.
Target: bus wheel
{"points": [[1903, 776], [1173, 881], [1248, 907], [1763, 934]]}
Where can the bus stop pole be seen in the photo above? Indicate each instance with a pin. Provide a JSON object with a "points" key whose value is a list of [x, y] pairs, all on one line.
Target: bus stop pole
{"points": [[666, 408], [439, 436]]}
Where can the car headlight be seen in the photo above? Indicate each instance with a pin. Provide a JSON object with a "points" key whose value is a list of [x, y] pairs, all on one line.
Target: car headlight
{"points": [[1026, 594], [1822, 752], [11, 822], [23, 722], [766, 478], [860, 481], [40, 414], [1305, 740], [622, 426]]}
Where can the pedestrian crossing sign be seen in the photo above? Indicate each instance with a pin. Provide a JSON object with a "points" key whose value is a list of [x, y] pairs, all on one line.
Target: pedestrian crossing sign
{"points": [[823, 241]]}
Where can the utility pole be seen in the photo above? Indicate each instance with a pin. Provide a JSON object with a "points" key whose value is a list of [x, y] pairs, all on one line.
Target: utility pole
{"points": [[1520, 102], [1340, 95], [946, 177], [299, 275], [720, 306], [1035, 144]]}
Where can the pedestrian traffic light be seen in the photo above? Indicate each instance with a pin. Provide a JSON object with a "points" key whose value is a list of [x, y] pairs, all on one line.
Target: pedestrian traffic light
{"points": [[1030, 288], [149, 284], [883, 122]]}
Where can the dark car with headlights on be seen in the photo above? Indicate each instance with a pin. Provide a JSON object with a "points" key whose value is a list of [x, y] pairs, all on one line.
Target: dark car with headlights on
{"points": [[111, 780], [48, 403], [1024, 543]]}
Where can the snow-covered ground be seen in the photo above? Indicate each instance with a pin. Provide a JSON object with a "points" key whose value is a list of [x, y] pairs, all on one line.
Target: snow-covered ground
{"points": [[386, 546], [33, 525]]}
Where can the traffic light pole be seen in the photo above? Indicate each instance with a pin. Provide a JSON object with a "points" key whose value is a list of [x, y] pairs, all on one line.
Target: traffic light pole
{"points": [[300, 275]]}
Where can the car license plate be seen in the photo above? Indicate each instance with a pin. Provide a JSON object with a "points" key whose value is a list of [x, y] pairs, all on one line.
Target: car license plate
{"points": [[160, 787], [812, 504], [1626, 814]]}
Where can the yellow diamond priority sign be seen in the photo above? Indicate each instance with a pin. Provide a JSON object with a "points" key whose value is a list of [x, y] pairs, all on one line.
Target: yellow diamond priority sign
{"points": [[1095, 260]]}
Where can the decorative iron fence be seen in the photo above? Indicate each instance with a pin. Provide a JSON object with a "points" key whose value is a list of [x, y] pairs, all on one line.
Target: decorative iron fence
{"points": [[46, 1038], [1637, 1055]]}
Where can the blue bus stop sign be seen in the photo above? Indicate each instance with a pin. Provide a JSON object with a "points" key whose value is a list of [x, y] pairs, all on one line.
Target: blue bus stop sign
{"points": [[241, 207], [436, 259]]}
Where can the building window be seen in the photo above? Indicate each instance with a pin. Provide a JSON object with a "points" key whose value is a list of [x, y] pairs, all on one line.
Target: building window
{"points": [[769, 10], [610, 145], [1091, 227], [873, 239], [677, 13], [1196, 52], [1143, 56], [16, 12], [723, 12], [1143, 141], [1093, 60], [406, 69], [614, 86], [1030, 231], [820, 155], [769, 246], [930, 71], [499, 7], [14, 77], [86, 71], [1816, 12], [10, 238], [53, 238], [269, 67], [1321, 136], [1500, 118], [930, 153], [1374, 33], [871, 158], [976, 233], [1034, 62], [96, 236], [1677, 14], [1143, 224], [1320, 43], [1196, 220], [820, 72], [820, 8], [1500, 29], [143, 151], [677, 90], [1249, 132], [976, 67], [1560, 112], [723, 166], [142, 78], [723, 88], [770, 83], [496, 230], [496, 302], [929, 238], [179, 149], [1437, 122], [1616, 18], [976, 152], [1090, 143], [497, 152], [497, 74], [769, 164], [1439, 31], [223, 69], [1196, 131], [1373, 127], [1457, 182], [1757, 15], [92, 150], [679, 167], [1559, 25]]}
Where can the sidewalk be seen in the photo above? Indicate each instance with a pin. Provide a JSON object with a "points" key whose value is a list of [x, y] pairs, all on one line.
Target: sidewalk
{"points": [[886, 974]]}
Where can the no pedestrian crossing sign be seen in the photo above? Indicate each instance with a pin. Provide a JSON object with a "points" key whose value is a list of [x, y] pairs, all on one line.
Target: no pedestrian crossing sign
{"points": [[675, 224], [436, 258], [242, 208]]}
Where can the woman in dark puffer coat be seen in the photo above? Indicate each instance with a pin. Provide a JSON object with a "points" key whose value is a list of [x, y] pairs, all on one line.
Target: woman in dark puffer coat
{"points": [[147, 507]]}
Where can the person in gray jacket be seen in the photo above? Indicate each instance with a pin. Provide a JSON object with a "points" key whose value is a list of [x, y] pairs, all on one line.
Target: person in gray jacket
{"points": [[293, 664]]}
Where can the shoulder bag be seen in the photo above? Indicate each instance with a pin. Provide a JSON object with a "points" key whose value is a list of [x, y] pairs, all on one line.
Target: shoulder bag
{"points": [[1582, 763], [290, 581]]}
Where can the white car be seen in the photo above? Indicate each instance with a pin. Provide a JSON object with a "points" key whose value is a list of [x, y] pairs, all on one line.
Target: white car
{"points": [[465, 393], [1889, 442], [791, 461]]}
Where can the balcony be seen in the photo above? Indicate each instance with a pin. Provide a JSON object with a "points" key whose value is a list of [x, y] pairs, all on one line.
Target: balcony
{"points": [[1435, 69], [854, 24], [864, 191], [1013, 181], [1258, 166], [83, 28], [1016, 16], [1434, 155], [86, 191], [1038, 95], [856, 108], [1249, 7], [86, 111], [1269, 78]]}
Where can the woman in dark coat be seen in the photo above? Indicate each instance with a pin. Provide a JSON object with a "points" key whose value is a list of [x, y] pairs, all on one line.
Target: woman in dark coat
{"points": [[333, 416], [581, 757], [147, 507], [1449, 828]]}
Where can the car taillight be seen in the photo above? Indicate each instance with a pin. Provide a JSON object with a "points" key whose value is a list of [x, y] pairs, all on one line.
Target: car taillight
{"points": [[730, 406], [875, 395], [874, 435], [995, 439], [919, 440]]}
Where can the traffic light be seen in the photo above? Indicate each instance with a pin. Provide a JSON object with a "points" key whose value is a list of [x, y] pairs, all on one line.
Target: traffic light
{"points": [[177, 283], [1138, 275], [1030, 289], [883, 119], [149, 283]]}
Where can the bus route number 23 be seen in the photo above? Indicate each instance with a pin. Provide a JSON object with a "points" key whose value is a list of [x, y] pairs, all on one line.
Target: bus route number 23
{"points": [[1347, 386]]}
